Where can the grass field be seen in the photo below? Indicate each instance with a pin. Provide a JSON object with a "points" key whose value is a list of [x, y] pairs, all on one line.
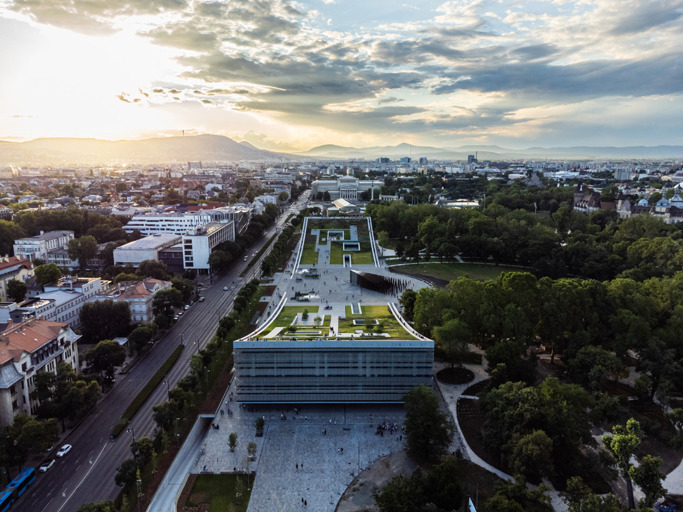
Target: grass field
{"points": [[308, 255], [218, 491], [288, 313], [362, 257], [451, 271], [371, 313]]}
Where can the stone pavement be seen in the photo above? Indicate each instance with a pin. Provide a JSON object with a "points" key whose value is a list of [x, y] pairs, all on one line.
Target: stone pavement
{"points": [[313, 439]]}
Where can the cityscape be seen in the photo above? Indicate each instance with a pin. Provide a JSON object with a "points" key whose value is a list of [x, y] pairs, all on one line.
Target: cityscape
{"points": [[339, 256]]}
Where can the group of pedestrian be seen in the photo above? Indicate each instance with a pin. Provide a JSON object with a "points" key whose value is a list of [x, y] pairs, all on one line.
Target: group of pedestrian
{"points": [[386, 427]]}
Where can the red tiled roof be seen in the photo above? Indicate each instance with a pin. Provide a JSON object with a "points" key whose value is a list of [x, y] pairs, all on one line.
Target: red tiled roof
{"points": [[27, 337]]}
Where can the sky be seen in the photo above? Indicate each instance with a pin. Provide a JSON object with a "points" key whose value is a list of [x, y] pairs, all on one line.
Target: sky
{"points": [[292, 75]]}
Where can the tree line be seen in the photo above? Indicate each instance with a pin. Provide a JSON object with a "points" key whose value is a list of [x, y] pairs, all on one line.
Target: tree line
{"points": [[558, 243]]}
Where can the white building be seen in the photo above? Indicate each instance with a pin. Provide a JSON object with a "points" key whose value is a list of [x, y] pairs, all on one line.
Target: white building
{"points": [[146, 248], [173, 223], [13, 267], [25, 349], [198, 244], [38, 246], [345, 187], [67, 306], [138, 294]]}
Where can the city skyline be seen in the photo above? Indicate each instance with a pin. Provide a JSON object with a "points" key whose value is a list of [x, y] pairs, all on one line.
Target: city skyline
{"points": [[288, 76]]}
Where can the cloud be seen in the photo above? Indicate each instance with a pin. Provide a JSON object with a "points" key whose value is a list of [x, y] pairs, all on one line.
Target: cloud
{"points": [[474, 65], [91, 17], [645, 17]]}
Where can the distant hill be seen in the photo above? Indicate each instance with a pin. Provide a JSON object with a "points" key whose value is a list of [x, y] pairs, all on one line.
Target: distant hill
{"points": [[491, 152], [65, 151]]}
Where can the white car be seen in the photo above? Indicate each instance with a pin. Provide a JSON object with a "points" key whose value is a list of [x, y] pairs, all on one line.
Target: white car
{"points": [[64, 450], [46, 465], [225, 288]]}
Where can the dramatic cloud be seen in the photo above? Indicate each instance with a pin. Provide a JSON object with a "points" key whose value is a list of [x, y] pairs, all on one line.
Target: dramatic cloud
{"points": [[442, 68]]}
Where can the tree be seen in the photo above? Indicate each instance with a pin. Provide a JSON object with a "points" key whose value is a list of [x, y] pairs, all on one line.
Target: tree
{"points": [[428, 430], [401, 494], [283, 197], [45, 274], [531, 455], [185, 287], [453, 338], [9, 232], [581, 499], [153, 268], [165, 300], [251, 449], [623, 443], [407, 300], [123, 277], [515, 497], [142, 450], [104, 319], [383, 240], [105, 356], [649, 478], [141, 336], [126, 473], [103, 506], [232, 441], [82, 249], [16, 290]]}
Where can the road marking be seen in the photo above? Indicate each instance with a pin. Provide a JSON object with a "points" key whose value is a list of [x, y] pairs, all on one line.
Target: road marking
{"points": [[82, 480]]}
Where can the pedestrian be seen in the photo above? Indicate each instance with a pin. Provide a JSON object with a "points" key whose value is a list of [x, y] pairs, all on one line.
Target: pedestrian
{"points": [[305, 503], [297, 466]]}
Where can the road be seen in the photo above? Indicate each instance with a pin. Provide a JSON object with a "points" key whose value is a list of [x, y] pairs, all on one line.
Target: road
{"points": [[86, 474]]}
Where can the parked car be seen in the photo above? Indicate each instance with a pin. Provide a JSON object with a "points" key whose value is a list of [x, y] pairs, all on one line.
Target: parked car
{"points": [[201, 299], [225, 288], [175, 317], [47, 464], [64, 450], [187, 306]]}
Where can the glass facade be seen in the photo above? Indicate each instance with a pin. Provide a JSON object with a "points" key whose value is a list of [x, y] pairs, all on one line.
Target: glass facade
{"points": [[325, 371]]}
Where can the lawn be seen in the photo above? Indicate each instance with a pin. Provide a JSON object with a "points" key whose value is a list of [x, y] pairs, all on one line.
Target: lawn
{"points": [[371, 313], [362, 257], [288, 313], [309, 256], [218, 491], [451, 271]]}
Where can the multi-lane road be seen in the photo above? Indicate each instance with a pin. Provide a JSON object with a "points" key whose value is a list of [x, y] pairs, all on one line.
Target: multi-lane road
{"points": [[86, 474]]}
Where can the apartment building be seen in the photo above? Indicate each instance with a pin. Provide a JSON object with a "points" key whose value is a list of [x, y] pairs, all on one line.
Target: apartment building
{"points": [[27, 348]]}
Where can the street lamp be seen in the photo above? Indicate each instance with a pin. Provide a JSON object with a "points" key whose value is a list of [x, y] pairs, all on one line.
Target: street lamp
{"points": [[182, 338]]}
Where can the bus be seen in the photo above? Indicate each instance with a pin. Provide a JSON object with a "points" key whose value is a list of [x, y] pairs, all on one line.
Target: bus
{"points": [[6, 500], [25, 478]]}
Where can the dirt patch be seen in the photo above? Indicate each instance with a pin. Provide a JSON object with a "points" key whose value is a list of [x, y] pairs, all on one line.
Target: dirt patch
{"points": [[359, 494], [471, 421], [455, 375], [182, 499], [476, 389], [261, 307]]}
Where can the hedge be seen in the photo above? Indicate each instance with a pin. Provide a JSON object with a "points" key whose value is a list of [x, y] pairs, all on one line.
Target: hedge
{"points": [[145, 392]]}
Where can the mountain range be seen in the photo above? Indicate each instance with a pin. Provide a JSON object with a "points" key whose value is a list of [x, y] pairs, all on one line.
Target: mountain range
{"points": [[217, 148], [496, 152], [71, 151]]}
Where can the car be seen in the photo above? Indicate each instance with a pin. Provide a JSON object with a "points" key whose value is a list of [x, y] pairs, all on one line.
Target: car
{"points": [[175, 317], [254, 255], [64, 450], [47, 464], [191, 303], [187, 306], [202, 298], [180, 313], [225, 288]]}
